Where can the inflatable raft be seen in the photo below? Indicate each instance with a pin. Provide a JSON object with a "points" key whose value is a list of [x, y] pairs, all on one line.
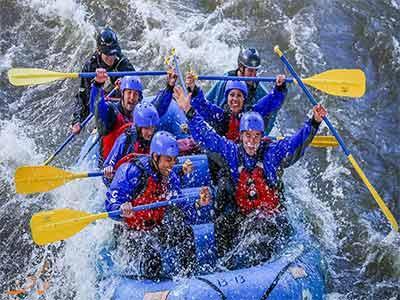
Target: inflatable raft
{"points": [[296, 273]]}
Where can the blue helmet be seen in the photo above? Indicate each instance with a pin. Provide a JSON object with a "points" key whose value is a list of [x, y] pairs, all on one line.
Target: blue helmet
{"points": [[164, 143], [236, 85], [131, 83], [251, 121], [107, 42], [145, 115]]}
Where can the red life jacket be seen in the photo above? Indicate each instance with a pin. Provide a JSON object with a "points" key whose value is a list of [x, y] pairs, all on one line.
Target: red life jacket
{"points": [[138, 148], [253, 192], [127, 158], [107, 142], [233, 132], [148, 219]]}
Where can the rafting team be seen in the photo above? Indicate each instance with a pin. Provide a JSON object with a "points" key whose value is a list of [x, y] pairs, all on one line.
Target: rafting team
{"points": [[229, 124]]}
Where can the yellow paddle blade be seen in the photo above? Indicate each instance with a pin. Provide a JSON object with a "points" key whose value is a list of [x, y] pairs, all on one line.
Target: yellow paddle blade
{"points": [[30, 76], [37, 179], [321, 141], [60, 224], [339, 82]]}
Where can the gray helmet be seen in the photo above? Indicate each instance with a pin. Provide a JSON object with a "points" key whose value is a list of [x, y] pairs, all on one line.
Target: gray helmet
{"points": [[249, 58]]}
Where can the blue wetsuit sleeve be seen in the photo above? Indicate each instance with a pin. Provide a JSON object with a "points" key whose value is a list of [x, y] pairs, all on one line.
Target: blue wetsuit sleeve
{"points": [[272, 102], [125, 183], [206, 136], [162, 100], [116, 152], [210, 112], [287, 151]]}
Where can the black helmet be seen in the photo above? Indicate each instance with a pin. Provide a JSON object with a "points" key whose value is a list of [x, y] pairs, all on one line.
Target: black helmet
{"points": [[107, 42], [249, 58]]}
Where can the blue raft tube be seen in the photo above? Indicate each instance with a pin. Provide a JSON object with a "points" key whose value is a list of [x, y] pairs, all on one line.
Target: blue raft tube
{"points": [[296, 273]]}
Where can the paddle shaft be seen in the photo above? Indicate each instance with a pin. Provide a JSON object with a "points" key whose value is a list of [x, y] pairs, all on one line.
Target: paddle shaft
{"points": [[180, 75], [126, 73], [72, 135], [241, 78], [358, 169], [176, 201]]}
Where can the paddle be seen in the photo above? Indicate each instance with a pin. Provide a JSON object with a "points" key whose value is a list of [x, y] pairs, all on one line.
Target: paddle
{"points": [[30, 76], [358, 169], [39, 179], [340, 82], [60, 224], [319, 141]]}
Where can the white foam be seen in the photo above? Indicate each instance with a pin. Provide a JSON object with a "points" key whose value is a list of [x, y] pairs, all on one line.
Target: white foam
{"points": [[198, 38], [68, 10], [395, 4]]}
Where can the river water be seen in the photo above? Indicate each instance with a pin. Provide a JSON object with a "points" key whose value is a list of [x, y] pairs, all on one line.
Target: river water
{"points": [[361, 253]]}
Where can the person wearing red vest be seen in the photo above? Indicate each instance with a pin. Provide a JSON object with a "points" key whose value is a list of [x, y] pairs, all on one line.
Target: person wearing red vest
{"points": [[136, 139], [112, 119], [254, 165], [226, 120], [147, 180]]}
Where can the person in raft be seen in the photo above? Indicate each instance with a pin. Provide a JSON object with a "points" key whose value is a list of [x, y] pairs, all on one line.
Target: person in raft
{"points": [[112, 119], [108, 56], [248, 64], [146, 180], [252, 207], [135, 141]]}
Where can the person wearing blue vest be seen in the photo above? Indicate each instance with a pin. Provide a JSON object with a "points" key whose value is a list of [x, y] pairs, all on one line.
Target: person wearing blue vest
{"points": [[144, 181], [255, 204], [249, 61]]}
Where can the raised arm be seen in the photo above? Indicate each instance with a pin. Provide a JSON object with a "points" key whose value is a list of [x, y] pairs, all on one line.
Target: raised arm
{"points": [[202, 132], [164, 97], [273, 101], [209, 111], [287, 151]]}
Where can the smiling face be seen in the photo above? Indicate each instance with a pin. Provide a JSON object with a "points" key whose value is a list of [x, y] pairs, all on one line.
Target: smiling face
{"points": [[235, 100], [251, 141], [131, 98], [164, 163]]}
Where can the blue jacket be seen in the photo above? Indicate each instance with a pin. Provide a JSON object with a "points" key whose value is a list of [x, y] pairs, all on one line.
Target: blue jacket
{"points": [[106, 112], [122, 146], [219, 117], [277, 155], [130, 181], [216, 95]]}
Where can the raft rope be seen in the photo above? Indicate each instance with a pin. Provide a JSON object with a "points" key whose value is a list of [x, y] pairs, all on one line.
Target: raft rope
{"points": [[275, 282], [213, 286]]}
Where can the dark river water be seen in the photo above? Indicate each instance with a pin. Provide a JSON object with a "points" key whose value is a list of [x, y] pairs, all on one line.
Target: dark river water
{"points": [[361, 252]]}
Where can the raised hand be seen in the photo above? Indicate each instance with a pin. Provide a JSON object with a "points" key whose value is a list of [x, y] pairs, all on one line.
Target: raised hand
{"points": [[319, 112], [182, 100]]}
